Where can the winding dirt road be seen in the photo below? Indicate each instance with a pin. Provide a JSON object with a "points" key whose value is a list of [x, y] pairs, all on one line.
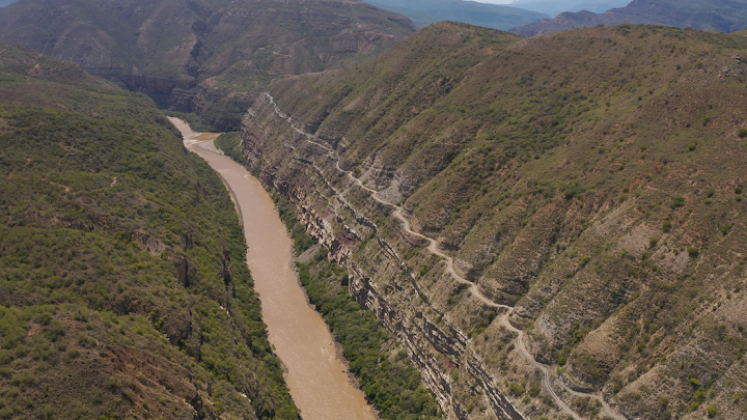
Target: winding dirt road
{"points": [[398, 214]]}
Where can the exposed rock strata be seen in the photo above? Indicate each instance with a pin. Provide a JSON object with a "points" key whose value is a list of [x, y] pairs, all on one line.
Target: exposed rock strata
{"points": [[604, 208], [378, 273]]}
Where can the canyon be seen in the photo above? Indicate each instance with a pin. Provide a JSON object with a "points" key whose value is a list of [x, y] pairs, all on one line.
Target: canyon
{"points": [[318, 380], [444, 223], [206, 57], [548, 228]]}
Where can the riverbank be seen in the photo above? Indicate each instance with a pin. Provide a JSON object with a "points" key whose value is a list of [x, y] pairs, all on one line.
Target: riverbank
{"points": [[317, 379], [379, 361]]}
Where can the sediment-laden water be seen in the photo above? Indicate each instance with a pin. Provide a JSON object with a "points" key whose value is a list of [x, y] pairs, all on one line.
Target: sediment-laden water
{"points": [[318, 380]]}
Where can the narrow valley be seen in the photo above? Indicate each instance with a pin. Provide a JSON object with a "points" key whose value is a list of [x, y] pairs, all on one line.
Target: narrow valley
{"points": [[318, 380]]}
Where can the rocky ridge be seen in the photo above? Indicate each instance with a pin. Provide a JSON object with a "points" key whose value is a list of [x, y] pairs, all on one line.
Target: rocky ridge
{"points": [[577, 230]]}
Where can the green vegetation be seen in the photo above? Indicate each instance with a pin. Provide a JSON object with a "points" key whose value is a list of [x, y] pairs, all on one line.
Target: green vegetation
{"points": [[301, 240], [388, 378], [124, 290], [516, 390], [229, 143], [693, 251], [185, 55]]}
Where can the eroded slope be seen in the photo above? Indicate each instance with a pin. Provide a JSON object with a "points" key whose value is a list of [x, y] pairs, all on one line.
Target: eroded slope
{"points": [[589, 180]]}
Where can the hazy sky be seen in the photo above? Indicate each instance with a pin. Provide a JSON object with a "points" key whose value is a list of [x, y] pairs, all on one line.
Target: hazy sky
{"points": [[494, 1]]}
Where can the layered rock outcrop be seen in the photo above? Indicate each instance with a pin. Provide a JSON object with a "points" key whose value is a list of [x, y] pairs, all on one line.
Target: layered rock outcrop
{"points": [[467, 173]]}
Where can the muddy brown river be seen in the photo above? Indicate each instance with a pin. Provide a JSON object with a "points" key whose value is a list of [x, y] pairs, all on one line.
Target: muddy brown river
{"points": [[317, 379]]}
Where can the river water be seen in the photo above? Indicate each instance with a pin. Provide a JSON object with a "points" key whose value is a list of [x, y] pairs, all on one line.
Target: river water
{"points": [[317, 379]]}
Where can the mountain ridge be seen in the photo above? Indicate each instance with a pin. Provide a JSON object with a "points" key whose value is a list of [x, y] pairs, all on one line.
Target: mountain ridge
{"points": [[718, 15], [590, 179], [202, 56], [426, 12], [556, 7]]}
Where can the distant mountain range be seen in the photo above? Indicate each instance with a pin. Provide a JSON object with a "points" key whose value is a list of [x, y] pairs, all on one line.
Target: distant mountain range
{"points": [[204, 56], [718, 15], [553, 8], [426, 12]]}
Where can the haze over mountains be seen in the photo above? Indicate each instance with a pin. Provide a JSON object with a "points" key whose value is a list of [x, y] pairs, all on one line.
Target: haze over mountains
{"points": [[426, 12], [554, 8], [717, 15]]}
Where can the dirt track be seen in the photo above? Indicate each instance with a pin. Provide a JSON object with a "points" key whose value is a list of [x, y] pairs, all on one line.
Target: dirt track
{"points": [[398, 213]]}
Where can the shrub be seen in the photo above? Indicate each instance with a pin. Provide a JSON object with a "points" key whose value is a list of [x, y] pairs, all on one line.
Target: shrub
{"points": [[667, 226], [6, 413], [534, 389], [693, 252], [742, 133], [87, 342], [516, 390], [712, 411], [585, 260]]}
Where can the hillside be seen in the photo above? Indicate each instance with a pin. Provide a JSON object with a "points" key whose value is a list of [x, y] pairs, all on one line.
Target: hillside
{"points": [[552, 226], [426, 12], [716, 15], [204, 56], [124, 291]]}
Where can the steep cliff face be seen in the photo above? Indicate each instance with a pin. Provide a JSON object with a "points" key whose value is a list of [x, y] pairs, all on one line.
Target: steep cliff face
{"points": [[551, 225], [204, 56]]}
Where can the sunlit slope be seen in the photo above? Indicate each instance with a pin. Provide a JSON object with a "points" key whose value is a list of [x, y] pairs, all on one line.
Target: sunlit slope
{"points": [[592, 178]]}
